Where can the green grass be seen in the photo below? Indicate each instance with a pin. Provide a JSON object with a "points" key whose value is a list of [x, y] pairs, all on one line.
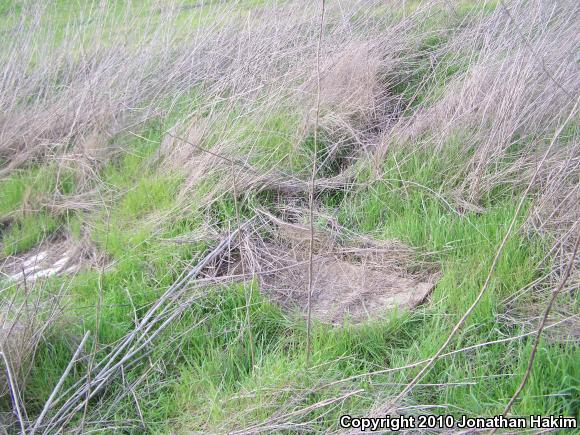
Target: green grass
{"points": [[26, 232], [208, 383], [21, 191], [23, 199], [464, 245], [201, 376], [116, 22], [212, 365]]}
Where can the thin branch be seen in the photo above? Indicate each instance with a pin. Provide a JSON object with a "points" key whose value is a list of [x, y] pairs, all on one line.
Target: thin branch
{"points": [[311, 195], [14, 392], [56, 389], [487, 282], [555, 294]]}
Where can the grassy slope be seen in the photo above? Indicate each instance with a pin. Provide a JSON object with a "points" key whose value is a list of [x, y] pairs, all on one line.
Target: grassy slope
{"points": [[206, 380]]}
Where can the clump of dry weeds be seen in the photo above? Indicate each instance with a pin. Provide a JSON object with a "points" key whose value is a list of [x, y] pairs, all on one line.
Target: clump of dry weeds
{"points": [[516, 84], [354, 277]]}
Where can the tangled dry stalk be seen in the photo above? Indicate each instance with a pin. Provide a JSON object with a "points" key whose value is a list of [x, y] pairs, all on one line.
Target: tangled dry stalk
{"points": [[505, 109]]}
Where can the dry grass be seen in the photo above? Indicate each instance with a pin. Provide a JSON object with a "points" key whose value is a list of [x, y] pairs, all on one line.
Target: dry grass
{"points": [[353, 277], [490, 90], [59, 255], [27, 316]]}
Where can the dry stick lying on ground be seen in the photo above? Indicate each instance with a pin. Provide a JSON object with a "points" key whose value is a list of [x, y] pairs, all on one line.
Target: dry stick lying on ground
{"points": [[98, 309], [133, 343], [14, 391], [311, 195], [55, 390], [555, 294], [485, 286]]}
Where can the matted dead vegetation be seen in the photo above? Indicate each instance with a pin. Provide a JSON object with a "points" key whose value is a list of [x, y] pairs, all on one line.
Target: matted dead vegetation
{"points": [[355, 278], [494, 89], [27, 316], [58, 255]]}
